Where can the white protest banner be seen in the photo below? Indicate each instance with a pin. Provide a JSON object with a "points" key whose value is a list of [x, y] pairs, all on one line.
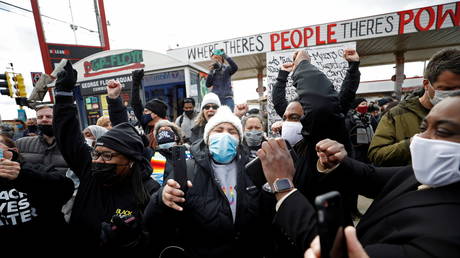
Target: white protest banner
{"points": [[328, 59]]}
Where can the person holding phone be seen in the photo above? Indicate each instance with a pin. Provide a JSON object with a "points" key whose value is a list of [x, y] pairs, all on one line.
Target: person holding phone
{"points": [[220, 213], [219, 77], [415, 209]]}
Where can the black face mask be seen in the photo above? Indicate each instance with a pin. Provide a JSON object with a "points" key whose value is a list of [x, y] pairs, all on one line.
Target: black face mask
{"points": [[32, 128], [145, 119], [104, 173], [189, 113], [46, 130]]}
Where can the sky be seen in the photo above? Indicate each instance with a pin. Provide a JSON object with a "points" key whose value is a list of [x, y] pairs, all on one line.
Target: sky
{"points": [[161, 25]]}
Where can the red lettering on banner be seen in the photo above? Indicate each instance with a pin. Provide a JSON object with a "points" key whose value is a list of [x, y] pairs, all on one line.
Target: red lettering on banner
{"points": [[431, 18], [293, 43], [442, 16], [318, 36], [330, 33], [403, 21], [284, 39], [307, 33], [274, 37]]}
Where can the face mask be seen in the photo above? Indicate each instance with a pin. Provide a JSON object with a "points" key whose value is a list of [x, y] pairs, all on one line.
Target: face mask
{"points": [[166, 146], [189, 113], [19, 126], [46, 130], [291, 131], [253, 138], [222, 147], [145, 119], [89, 142], [104, 173], [165, 136], [32, 128], [362, 109], [435, 162], [439, 95]]}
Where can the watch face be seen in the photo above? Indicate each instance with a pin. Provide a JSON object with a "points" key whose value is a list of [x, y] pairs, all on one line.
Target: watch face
{"points": [[283, 184]]}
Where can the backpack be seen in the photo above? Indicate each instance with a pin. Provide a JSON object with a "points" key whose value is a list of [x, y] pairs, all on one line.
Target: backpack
{"points": [[361, 132]]}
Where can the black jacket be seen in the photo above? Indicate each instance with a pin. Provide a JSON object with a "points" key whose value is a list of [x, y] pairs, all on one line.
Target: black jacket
{"points": [[346, 95], [401, 222], [206, 225], [197, 133], [30, 209], [220, 79], [322, 119], [94, 202]]}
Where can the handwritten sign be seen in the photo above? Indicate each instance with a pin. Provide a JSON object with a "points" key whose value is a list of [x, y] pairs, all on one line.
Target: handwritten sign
{"points": [[328, 59]]}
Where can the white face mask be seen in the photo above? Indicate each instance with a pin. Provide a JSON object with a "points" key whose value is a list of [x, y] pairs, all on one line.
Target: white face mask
{"points": [[89, 142], [436, 163], [291, 131], [439, 95]]}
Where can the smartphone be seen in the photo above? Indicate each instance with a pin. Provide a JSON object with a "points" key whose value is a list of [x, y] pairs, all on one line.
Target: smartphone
{"points": [[1, 153], [180, 166], [331, 225], [255, 171]]}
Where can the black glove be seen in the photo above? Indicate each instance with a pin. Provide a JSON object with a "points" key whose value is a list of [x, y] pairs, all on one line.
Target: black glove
{"points": [[123, 231], [137, 76], [66, 79]]}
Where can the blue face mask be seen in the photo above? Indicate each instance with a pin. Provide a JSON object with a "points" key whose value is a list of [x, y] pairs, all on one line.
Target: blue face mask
{"points": [[222, 147], [145, 119]]}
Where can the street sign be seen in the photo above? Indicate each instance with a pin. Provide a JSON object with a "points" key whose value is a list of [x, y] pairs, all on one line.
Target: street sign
{"points": [[35, 77]]}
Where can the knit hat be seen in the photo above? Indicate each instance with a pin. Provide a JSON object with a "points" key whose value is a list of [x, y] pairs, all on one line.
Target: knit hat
{"points": [[158, 107], [125, 139], [356, 102], [223, 115], [210, 98]]}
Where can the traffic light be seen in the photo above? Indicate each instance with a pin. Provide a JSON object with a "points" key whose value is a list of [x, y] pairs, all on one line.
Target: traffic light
{"points": [[6, 88], [19, 85]]}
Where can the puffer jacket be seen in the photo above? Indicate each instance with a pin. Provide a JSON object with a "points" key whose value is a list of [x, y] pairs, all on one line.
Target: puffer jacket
{"points": [[35, 150], [390, 145], [206, 226]]}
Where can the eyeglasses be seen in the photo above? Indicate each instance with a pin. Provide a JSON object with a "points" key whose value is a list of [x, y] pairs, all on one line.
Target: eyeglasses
{"points": [[207, 107], [106, 155]]}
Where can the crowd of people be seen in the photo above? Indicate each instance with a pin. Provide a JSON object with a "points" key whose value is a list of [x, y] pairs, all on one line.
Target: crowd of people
{"points": [[115, 184]]}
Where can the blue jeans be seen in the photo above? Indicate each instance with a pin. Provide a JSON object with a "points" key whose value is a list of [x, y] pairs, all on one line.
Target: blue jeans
{"points": [[228, 101]]}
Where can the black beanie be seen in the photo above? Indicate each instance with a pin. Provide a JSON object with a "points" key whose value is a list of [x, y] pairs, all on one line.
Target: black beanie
{"points": [[356, 102], [125, 139], [158, 107]]}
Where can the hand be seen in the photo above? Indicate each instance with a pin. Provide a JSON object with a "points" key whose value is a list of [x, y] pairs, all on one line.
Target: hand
{"points": [[113, 89], [138, 75], [276, 127], [9, 169], [298, 57], [287, 67], [330, 153], [354, 247], [276, 160], [67, 78], [351, 55], [240, 110], [172, 195]]}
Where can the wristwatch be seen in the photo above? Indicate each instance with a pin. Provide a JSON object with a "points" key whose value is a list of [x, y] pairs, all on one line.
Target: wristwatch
{"points": [[282, 185]]}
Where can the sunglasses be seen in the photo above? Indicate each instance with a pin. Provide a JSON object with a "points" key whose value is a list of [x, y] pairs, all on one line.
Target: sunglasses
{"points": [[106, 155], [207, 107]]}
